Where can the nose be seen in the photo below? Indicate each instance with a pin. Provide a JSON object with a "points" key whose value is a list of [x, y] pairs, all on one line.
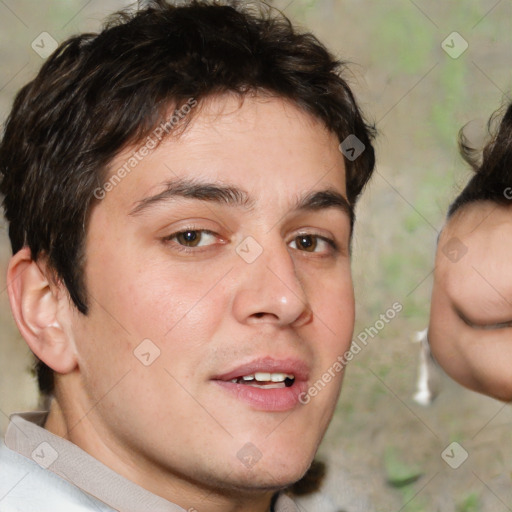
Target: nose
{"points": [[269, 291]]}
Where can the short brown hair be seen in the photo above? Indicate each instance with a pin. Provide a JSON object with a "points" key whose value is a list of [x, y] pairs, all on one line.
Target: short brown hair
{"points": [[99, 93]]}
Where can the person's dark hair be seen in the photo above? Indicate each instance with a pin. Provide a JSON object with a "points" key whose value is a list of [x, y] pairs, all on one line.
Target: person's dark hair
{"points": [[492, 166], [101, 93]]}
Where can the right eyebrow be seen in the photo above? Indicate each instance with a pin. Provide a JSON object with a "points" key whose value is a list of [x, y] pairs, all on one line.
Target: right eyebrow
{"points": [[326, 199], [193, 189]]}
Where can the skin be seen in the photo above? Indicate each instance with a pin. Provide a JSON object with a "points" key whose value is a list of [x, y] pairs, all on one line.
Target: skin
{"points": [[471, 310], [168, 426]]}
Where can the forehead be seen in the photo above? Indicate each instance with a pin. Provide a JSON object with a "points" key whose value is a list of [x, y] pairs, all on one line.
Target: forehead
{"points": [[265, 145]]}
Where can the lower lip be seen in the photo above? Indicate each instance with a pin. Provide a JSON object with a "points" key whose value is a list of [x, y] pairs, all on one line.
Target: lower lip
{"points": [[271, 400]]}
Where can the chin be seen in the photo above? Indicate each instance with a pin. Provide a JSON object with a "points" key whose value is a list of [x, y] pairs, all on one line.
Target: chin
{"points": [[268, 479], [274, 473]]}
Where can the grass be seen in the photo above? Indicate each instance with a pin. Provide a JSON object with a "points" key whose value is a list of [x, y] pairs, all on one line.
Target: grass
{"points": [[470, 504]]}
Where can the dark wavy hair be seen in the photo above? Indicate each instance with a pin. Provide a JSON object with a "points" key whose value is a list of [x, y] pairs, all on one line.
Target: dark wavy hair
{"points": [[100, 93], [492, 166]]}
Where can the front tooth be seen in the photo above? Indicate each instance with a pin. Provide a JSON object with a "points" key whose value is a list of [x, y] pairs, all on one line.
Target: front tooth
{"points": [[278, 377], [262, 377], [248, 377]]}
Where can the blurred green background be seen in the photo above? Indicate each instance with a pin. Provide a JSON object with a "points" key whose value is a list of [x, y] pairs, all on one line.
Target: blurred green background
{"points": [[383, 450]]}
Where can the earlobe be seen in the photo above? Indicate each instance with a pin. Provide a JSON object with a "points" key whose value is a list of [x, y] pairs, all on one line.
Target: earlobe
{"points": [[37, 305]]}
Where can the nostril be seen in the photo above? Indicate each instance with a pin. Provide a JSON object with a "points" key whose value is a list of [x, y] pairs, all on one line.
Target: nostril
{"points": [[259, 315], [263, 315]]}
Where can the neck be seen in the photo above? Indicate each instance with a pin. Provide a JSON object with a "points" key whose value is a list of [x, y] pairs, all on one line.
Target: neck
{"points": [[159, 481]]}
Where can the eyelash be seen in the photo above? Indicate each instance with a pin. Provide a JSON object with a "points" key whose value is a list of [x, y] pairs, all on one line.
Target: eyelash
{"points": [[328, 240], [185, 249]]}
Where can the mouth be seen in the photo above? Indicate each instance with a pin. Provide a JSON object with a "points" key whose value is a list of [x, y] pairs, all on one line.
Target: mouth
{"points": [[264, 380], [266, 384]]}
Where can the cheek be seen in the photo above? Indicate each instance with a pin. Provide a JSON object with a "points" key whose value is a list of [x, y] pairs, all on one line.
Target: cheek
{"points": [[182, 306], [156, 300], [176, 311], [333, 302]]}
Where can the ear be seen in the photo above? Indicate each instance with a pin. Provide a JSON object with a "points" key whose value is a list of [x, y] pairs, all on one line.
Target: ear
{"points": [[41, 309]]}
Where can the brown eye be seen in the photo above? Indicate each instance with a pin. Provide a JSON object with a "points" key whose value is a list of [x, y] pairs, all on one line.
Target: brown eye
{"points": [[194, 239], [306, 243], [313, 243], [189, 238]]}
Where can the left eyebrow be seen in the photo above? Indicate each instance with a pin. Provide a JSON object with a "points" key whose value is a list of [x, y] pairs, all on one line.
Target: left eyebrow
{"points": [[323, 199]]}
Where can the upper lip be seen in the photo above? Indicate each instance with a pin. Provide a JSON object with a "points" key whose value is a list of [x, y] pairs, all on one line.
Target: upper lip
{"points": [[299, 369]]}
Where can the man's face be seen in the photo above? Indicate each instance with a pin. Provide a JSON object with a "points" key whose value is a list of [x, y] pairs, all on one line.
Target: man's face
{"points": [[237, 267]]}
